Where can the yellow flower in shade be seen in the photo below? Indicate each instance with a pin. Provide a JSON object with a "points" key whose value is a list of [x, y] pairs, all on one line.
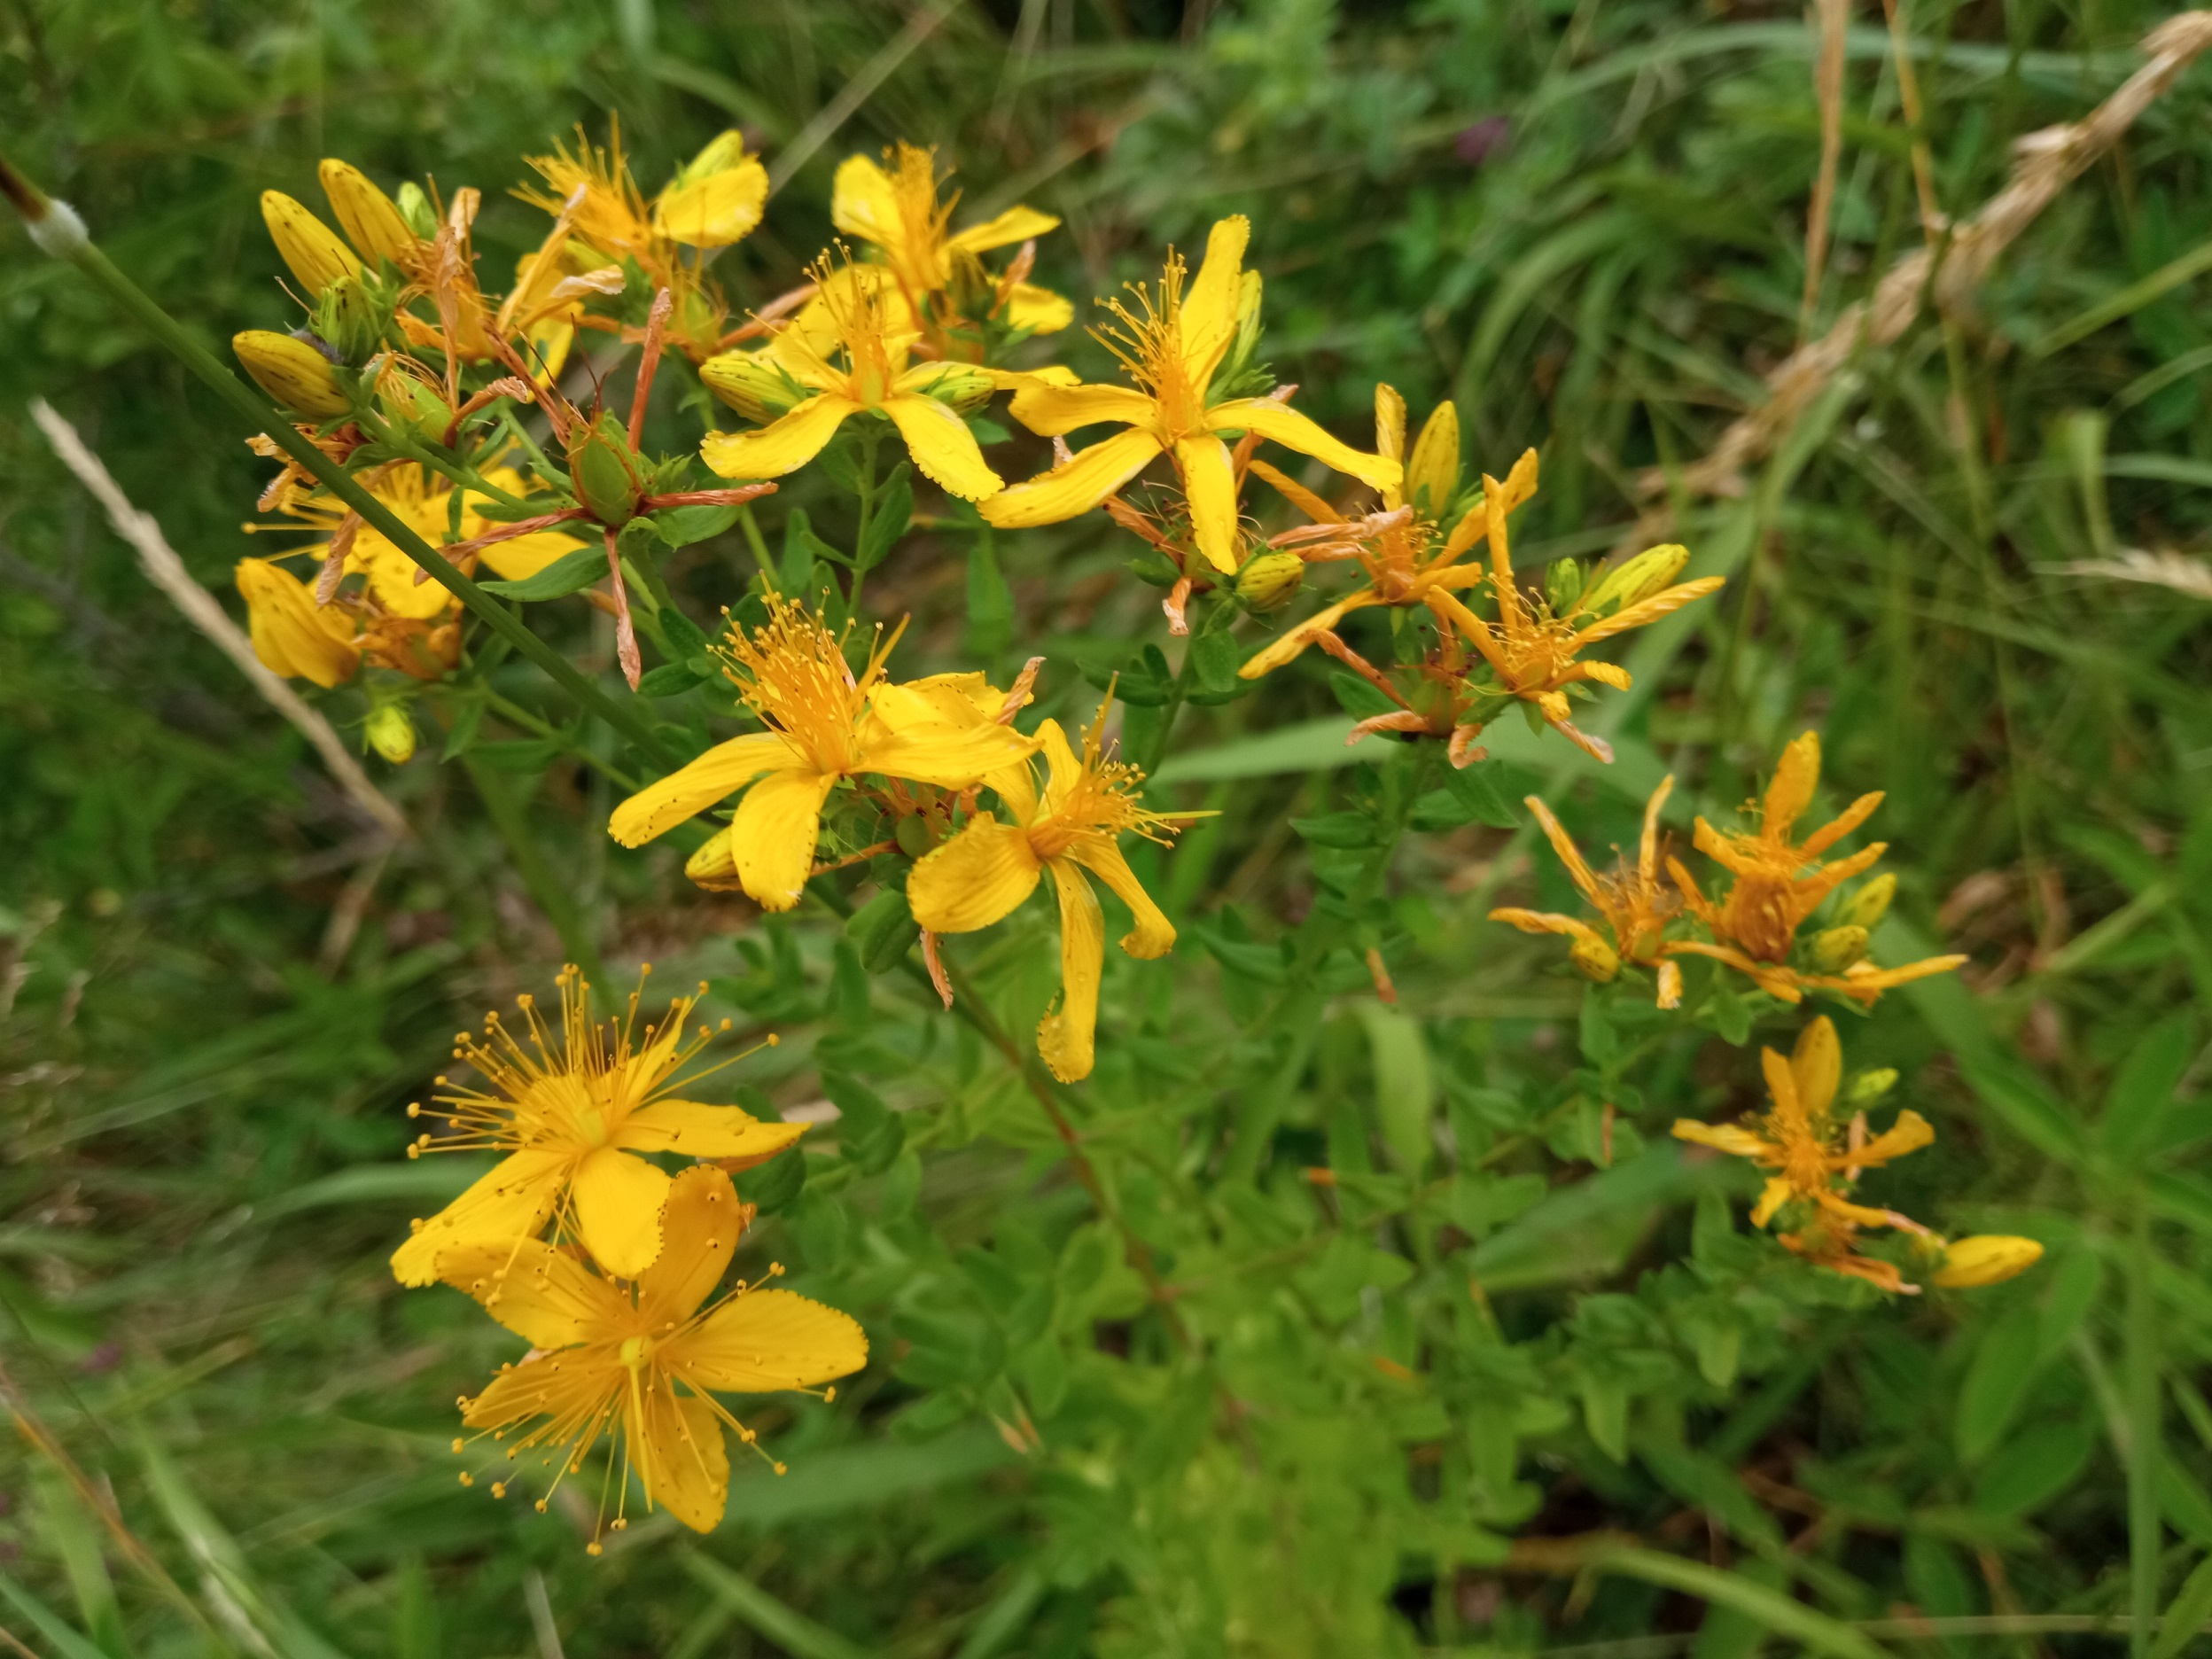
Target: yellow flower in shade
{"points": [[422, 500], [292, 635], [825, 725], [640, 1363], [1986, 1259], [1071, 829], [867, 370], [1780, 881], [1171, 351], [1634, 903], [1534, 650], [574, 1115], [895, 209], [1814, 1158]]}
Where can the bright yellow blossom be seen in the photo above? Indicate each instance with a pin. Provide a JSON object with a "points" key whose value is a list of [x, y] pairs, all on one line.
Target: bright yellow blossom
{"points": [[1072, 831], [1780, 881], [1635, 904], [642, 1362], [1172, 352], [825, 725], [573, 1115], [895, 209], [1810, 1154]]}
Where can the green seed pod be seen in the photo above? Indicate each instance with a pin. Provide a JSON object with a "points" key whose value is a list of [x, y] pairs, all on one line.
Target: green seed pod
{"points": [[1871, 902], [292, 371], [1562, 585], [913, 836], [604, 473], [1836, 948], [390, 732], [1866, 1088], [1268, 580]]}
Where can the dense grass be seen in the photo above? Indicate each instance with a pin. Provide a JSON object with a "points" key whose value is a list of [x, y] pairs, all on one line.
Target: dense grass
{"points": [[1586, 225]]}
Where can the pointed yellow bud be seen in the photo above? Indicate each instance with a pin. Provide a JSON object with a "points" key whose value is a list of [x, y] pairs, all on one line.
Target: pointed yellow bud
{"points": [[1432, 477], [391, 733], [292, 635], [1594, 960], [292, 371], [314, 251], [1389, 423], [1836, 948], [1636, 578], [1987, 1258], [1871, 902], [714, 866], [1268, 579], [371, 220], [752, 383]]}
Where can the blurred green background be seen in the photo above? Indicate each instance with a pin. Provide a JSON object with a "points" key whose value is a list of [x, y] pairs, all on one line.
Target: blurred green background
{"points": [[1585, 222]]}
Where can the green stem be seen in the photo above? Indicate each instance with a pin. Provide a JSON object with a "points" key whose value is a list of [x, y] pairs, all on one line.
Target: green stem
{"points": [[249, 403], [870, 439], [514, 714], [1177, 692], [757, 543], [509, 819], [2146, 1450]]}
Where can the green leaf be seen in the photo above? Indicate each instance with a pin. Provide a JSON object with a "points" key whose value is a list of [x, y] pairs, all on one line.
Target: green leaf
{"points": [[2033, 1468], [870, 1134], [2009, 1088], [990, 601], [680, 526], [1358, 697], [669, 680], [2187, 1613], [1336, 830], [467, 722], [1778, 1612], [787, 1628], [1405, 1084], [570, 573], [1996, 1382], [77, 1539], [1475, 787], [67, 1642], [1599, 1041], [2143, 1092], [1215, 657], [892, 511]]}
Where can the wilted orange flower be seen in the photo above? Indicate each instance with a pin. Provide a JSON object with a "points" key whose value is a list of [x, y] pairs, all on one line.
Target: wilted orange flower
{"points": [[1635, 905]]}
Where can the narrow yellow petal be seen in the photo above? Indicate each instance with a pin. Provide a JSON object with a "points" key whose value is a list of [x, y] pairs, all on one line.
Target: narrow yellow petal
{"points": [[1065, 491], [1052, 411], [1210, 306], [1036, 311], [942, 446], [541, 1294], [1066, 1036], [691, 1129], [679, 1456], [1277, 652], [721, 771], [291, 636], [1795, 778], [1153, 934], [1282, 425], [781, 447], [1209, 484], [511, 1203], [1986, 1259], [772, 838], [700, 1222], [1016, 224], [1729, 1138], [521, 557], [714, 205], [619, 1199], [863, 202], [1817, 1065], [975, 879], [769, 1339]]}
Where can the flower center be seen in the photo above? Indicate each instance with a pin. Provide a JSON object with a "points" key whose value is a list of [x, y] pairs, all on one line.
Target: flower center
{"points": [[635, 1352]]}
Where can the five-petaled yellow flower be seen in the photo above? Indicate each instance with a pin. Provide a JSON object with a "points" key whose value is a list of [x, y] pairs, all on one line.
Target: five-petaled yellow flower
{"points": [[642, 1362], [1780, 881], [1070, 829], [577, 1118], [1634, 903], [1172, 352], [826, 724], [895, 209], [1812, 1157], [922, 400]]}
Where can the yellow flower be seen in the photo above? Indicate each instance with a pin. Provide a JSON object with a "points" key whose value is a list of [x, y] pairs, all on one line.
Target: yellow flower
{"points": [[896, 210], [422, 500], [875, 343], [1986, 1259], [1635, 907], [1070, 829], [1799, 1141], [573, 1116], [825, 725], [643, 1362], [1780, 881], [292, 635], [1534, 650], [1171, 353]]}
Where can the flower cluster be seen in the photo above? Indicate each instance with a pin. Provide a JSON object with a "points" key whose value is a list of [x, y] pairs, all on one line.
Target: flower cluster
{"points": [[577, 1240]]}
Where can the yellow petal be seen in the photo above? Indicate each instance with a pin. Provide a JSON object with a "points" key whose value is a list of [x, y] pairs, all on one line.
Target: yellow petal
{"points": [[1909, 1134], [781, 447], [715, 207], [1016, 224], [536, 1291], [313, 251], [1738, 1142], [619, 1200], [508, 1204], [952, 756], [1064, 492], [1052, 411], [569, 1385], [1210, 305], [1277, 652], [1791, 792], [1036, 311], [1282, 425], [1773, 1196], [722, 771], [1548, 922], [942, 446], [524, 556], [1986, 1259], [1066, 1035], [1817, 1065], [1390, 426], [1432, 474], [371, 219], [291, 636], [678, 1454], [772, 838], [951, 699], [1153, 934], [699, 1228], [765, 1340], [1563, 845], [975, 879], [691, 1129], [1781, 1083], [1210, 482], [863, 202]]}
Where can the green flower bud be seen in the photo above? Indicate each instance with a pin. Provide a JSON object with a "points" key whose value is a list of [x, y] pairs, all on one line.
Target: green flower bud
{"points": [[390, 732], [1562, 585], [1433, 473], [753, 385], [415, 208], [605, 471], [1268, 581], [960, 388], [1871, 902], [1636, 578], [292, 371], [913, 836], [1866, 1088], [1836, 948]]}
